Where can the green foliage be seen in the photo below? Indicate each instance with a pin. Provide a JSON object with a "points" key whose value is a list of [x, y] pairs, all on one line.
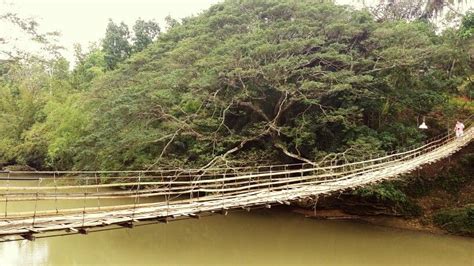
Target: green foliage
{"points": [[452, 184], [115, 44], [21, 101], [273, 79], [384, 192], [459, 221], [467, 160], [390, 193], [467, 26], [144, 34], [90, 66], [118, 43], [66, 123]]}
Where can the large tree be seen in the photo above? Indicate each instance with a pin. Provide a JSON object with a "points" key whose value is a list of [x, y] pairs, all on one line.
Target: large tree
{"points": [[145, 32], [245, 81], [116, 44], [259, 79], [413, 9]]}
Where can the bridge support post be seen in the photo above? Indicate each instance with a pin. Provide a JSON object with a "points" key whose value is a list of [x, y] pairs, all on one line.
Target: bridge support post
{"points": [[126, 224], [195, 216], [163, 220], [29, 237], [223, 212]]}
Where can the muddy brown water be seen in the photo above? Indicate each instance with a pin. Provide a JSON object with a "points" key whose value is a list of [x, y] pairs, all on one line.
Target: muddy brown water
{"points": [[262, 237]]}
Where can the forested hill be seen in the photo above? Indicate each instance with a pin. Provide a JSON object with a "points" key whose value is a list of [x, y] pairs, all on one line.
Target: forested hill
{"points": [[245, 82]]}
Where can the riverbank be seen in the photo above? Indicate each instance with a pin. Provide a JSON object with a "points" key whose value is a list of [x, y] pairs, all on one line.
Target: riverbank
{"points": [[439, 198], [386, 221]]}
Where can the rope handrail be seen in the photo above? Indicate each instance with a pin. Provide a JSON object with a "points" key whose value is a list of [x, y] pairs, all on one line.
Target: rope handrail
{"points": [[215, 180], [434, 140], [157, 192]]}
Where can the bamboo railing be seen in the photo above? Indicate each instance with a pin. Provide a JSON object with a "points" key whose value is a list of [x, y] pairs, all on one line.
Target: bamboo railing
{"points": [[79, 200]]}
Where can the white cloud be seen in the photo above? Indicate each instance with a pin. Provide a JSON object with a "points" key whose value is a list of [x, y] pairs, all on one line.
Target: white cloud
{"points": [[84, 21]]}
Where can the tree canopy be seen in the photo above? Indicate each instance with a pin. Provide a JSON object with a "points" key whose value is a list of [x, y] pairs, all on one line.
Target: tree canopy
{"points": [[244, 82]]}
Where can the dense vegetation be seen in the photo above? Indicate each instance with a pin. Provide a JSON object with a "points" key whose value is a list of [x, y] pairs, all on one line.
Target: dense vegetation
{"points": [[460, 221], [440, 194], [244, 82]]}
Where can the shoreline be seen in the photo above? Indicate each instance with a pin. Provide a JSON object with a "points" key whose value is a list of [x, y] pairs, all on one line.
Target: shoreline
{"points": [[411, 224]]}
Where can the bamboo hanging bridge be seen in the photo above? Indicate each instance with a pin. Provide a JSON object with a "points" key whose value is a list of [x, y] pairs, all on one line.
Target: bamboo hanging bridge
{"points": [[79, 202]]}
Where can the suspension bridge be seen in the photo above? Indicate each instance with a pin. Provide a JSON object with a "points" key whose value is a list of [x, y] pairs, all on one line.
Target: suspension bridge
{"points": [[80, 202]]}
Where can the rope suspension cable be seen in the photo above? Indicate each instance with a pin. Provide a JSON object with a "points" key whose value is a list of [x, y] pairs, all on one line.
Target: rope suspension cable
{"points": [[249, 185], [287, 177], [198, 189], [168, 199], [97, 190], [154, 171], [236, 183], [222, 193], [36, 203], [6, 195], [167, 170], [191, 191], [158, 170], [55, 193], [137, 197], [84, 205], [270, 187]]}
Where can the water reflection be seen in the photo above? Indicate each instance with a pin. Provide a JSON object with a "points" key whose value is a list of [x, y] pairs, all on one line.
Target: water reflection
{"points": [[24, 253], [267, 237]]}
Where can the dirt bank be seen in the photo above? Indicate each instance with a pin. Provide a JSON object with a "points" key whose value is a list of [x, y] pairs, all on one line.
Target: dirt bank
{"points": [[379, 220], [438, 198]]}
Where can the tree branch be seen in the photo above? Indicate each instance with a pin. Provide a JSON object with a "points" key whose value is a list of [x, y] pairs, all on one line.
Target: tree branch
{"points": [[292, 155]]}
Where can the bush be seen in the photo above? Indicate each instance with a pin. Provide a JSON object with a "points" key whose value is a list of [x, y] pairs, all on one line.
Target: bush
{"points": [[451, 184], [459, 221], [389, 193]]}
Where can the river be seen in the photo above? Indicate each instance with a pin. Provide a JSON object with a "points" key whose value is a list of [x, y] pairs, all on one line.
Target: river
{"points": [[260, 237]]}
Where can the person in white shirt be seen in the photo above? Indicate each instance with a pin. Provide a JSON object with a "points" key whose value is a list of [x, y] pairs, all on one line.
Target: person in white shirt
{"points": [[459, 128]]}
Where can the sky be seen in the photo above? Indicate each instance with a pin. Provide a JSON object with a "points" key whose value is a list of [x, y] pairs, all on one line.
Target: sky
{"points": [[84, 21]]}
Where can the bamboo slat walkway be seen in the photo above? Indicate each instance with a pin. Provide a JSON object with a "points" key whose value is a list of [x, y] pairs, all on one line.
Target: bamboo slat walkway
{"points": [[79, 201]]}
